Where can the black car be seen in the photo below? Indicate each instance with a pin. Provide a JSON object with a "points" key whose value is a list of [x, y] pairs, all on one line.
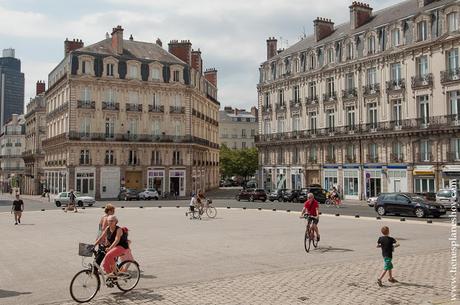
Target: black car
{"points": [[252, 195], [319, 193], [407, 204], [277, 195], [291, 195], [128, 194]]}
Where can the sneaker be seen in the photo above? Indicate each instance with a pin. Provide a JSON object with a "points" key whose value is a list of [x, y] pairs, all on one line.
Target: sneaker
{"points": [[19, 220], [317, 238], [379, 281], [392, 280], [15, 223]]}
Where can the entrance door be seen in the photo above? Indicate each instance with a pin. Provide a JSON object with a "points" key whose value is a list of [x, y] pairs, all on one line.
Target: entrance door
{"points": [[133, 180], [374, 187], [174, 185], [397, 185]]}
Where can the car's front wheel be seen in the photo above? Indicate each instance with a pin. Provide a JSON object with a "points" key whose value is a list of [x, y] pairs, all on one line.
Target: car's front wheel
{"points": [[381, 211], [80, 203], [419, 212], [58, 204]]}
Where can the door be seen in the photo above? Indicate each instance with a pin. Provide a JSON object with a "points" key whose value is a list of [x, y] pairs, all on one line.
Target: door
{"points": [[374, 187], [133, 180], [174, 185], [397, 185]]}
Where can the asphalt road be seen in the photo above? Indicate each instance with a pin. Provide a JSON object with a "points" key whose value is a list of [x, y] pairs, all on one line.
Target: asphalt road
{"points": [[347, 208]]}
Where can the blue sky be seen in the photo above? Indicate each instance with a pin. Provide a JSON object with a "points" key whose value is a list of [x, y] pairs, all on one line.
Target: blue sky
{"points": [[230, 34]]}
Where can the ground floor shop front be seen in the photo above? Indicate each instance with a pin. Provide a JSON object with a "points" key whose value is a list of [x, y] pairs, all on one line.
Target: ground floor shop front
{"points": [[105, 182], [360, 182]]}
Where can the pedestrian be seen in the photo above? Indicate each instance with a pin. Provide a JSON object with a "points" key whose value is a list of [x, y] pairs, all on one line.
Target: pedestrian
{"points": [[17, 208], [71, 206], [387, 243]]}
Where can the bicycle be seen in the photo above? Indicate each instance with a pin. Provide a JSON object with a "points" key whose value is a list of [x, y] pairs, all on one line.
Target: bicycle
{"points": [[208, 208], [309, 237], [126, 275], [194, 214], [332, 202]]}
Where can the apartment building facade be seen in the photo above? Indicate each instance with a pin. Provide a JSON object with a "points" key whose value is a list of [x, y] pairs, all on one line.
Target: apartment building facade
{"points": [[12, 140], [127, 113], [238, 128], [370, 106]]}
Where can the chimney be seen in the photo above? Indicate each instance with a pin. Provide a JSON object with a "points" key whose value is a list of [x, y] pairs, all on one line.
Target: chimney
{"points": [[117, 39], [236, 111], [422, 3], [40, 87], [254, 111], [360, 14], [271, 47], [211, 76], [197, 62], [323, 28], [159, 42], [131, 37], [181, 49], [71, 45]]}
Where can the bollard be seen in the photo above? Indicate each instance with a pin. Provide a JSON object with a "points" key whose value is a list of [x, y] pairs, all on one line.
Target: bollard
{"points": [[288, 211], [122, 206], [83, 208], [259, 209], [228, 208], [141, 207], [320, 213], [103, 208], [403, 219], [356, 216], [337, 214], [274, 210], [429, 221], [244, 208], [378, 217], [159, 206], [43, 210], [177, 206]]}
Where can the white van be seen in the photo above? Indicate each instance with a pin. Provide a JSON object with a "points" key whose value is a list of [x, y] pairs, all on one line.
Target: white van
{"points": [[447, 196]]}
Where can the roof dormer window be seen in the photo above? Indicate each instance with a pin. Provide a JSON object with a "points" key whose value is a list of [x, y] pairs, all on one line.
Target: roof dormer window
{"points": [[422, 29], [452, 22], [330, 55], [371, 45], [133, 72]]}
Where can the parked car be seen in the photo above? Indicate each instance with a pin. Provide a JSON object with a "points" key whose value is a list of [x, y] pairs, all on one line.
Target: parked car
{"points": [[128, 194], [319, 193], [252, 195], [429, 196], [291, 195], [148, 194], [448, 196], [64, 199], [407, 204], [277, 195], [371, 201]]}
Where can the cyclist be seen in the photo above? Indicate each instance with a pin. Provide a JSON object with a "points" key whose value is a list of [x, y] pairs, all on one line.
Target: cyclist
{"points": [[117, 238], [311, 208], [201, 199], [335, 196]]}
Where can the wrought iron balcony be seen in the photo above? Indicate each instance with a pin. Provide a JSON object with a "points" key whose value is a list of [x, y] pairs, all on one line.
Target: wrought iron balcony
{"points": [[310, 100], [177, 109], [350, 158], [424, 157], [86, 104], [371, 89], [280, 107], [110, 106], [397, 158], [396, 85], [422, 81], [330, 97], [372, 159], [350, 93], [157, 108], [84, 161], [267, 109], [330, 159], [313, 159], [134, 107], [294, 104], [452, 75]]}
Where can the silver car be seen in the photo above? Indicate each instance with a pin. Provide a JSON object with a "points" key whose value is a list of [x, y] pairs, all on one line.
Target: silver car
{"points": [[148, 194], [447, 197], [64, 199]]}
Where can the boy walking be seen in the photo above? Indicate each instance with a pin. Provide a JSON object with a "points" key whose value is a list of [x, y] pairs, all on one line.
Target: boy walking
{"points": [[387, 243], [17, 208]]}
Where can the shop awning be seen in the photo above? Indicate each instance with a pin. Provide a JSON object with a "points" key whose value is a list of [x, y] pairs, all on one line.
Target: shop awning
{"points": [[423, 170], [451, 168]]}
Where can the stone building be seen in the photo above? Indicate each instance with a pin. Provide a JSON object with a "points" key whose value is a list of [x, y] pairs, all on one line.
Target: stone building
{"points": [[11, 148], [35, 133], [237, 127], [371, 105], [122, 112]]}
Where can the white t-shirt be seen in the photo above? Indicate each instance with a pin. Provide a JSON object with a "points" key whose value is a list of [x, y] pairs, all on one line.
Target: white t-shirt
{"points": [[193, 201]]}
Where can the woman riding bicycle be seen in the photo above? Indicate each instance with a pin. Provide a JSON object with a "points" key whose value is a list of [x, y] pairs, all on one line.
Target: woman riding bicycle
{"points": [[117, 239]]}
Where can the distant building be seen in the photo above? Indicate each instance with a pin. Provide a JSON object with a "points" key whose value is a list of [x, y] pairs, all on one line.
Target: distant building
{"points": [[35, 133], [11, 86], [11, 148], [237, 127]]}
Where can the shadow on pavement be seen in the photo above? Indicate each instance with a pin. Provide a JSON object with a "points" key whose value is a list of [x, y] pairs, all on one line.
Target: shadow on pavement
{"points": [[9, 293], [147, 276], [332, 249], [135, 295], [413, 285]]}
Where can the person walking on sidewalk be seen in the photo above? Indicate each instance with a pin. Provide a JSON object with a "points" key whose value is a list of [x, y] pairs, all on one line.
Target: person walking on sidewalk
{"points": [[17, 208], [387, 244], [72, 205]]}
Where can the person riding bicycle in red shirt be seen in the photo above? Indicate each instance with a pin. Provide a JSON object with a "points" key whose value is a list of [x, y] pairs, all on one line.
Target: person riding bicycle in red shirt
{"points": [[335, 195], [311, 208]]}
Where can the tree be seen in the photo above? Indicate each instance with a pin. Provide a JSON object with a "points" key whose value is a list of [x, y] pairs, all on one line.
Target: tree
{"points": [[242, 163]]}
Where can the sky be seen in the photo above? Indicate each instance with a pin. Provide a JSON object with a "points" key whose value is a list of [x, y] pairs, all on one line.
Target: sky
{"points": [[231, 34]]}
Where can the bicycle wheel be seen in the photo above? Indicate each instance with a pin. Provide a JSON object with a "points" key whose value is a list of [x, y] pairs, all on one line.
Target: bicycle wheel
{"points": [[84, 286], [329, 202], [211, 212], [128, 275], [306, 242]]}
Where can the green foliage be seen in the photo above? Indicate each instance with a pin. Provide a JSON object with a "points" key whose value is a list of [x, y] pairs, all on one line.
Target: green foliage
{"points": [[242, 163]]}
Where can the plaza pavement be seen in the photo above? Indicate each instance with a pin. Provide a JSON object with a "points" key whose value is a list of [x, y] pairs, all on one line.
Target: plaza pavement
{"points": [[241, 257]]}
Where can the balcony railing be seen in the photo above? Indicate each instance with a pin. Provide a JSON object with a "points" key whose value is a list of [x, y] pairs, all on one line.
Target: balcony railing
{"points": [[134, 107], [350, 158], [110, 161], [177, 109], [452, 75], [424, 157], [349, 93], [371, 89], [110, 106], [280, 107], [372, 159], [422, 81], [294, 104], [134, 162], [85, 161], [313, 159], [267, 108], [86, 104], [397, 158], [310, 100], [330, 97], [157, 108], [396, 85]]}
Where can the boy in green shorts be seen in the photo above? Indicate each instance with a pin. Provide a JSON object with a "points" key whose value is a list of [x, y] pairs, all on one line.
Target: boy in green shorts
{"points": [[387, 244]]}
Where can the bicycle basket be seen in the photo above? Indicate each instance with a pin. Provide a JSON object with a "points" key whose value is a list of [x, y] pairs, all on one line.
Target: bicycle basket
{"points": [[85, 249]]}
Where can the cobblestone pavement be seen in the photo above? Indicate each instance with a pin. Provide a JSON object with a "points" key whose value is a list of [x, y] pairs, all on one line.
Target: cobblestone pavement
{"points": [[241, 257]]}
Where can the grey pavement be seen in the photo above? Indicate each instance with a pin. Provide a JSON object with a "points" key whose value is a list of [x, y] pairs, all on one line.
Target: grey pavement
{"points": [[241, 257]]}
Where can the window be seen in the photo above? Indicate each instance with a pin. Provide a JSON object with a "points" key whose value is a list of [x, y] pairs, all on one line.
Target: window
{"points": [[397, 113], [424, 109], [424, 185], [156, 158], [176, 76], [312, 61], [452, 60], [396, 72], [280, 125], [109, 69], [177, 128], [86, 94], [243, 145], [156, 100], [425, 151], [296, 94], [133, 71], [253, 132], [266, 100], [312, 90], [267, 127], [395, 37], [350, 110], [350, 152], [454, 104], [330, 119], [371, 45], [330, 153], [132, 128], [296, 123], [455, 149], [132, 158], [177, 158], [280, 97], [85, 67], [312, 119], [85, 157], [133, 97], [109, 127], [85, 127], [349, 51], [156, 128], [330, 55], [372, 115], [156, 74], [110, 97], [422, 29], [109, 157], [330, 90], [243, 133], [452, 22], [372, 76], [373, 152], [349, 82], [422, 66], [397, 151]]}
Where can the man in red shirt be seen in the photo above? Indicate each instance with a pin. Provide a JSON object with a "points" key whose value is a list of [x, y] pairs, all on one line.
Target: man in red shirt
{"points": [[311, 208]]}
